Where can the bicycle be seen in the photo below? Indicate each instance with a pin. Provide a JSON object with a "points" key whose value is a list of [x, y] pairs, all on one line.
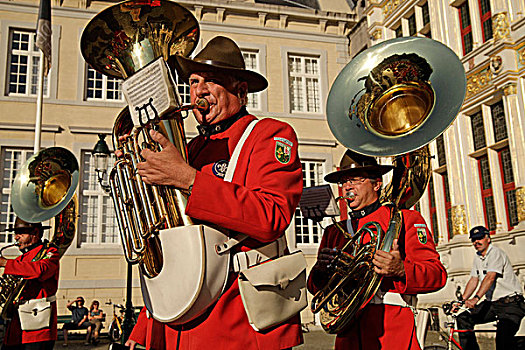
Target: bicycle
{"points": [[453, 309], [115, 328]]}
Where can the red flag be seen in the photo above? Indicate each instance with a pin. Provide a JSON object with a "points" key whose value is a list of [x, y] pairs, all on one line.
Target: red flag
{"points": [[43, 33]]}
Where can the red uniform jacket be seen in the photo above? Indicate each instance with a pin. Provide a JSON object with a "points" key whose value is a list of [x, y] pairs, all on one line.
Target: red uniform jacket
{"points": [[389, 326], [42, 276], [259, 202]]}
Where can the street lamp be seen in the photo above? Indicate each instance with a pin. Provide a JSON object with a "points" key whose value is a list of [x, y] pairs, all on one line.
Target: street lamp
{"points": [[101, 154]]}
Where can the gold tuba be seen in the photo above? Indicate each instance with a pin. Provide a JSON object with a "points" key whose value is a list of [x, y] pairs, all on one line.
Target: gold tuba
{"points": [[43, 188], [390, 100], [118, 42]]}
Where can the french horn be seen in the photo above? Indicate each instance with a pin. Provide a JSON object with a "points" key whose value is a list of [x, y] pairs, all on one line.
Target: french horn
{"points": [[391, 100]]}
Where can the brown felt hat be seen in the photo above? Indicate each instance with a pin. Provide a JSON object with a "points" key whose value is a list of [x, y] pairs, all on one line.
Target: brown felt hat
{"points": [[221, 54], [356, 164], [22, 226]]}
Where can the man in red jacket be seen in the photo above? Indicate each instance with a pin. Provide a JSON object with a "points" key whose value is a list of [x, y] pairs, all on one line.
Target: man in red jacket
{"points": [[412, 266], [39, 266], [259, 201]]}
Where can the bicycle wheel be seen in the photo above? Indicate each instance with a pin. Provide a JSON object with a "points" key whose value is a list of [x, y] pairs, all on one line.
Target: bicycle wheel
{"points": [[114, 332]]}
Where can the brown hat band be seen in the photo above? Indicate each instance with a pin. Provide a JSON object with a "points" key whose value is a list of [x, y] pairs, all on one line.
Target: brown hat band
{"points": [[217, 63]]}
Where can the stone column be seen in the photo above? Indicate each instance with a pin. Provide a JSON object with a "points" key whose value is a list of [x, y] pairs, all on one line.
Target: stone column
{"points": [[500, 20], [457, 177], [515, 127]]}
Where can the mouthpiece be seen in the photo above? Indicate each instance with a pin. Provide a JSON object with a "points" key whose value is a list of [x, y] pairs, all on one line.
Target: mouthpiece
{"points": [[202, 105], [349, 196]]}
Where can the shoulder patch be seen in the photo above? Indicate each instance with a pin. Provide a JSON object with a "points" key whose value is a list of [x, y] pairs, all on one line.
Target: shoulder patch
{"points": [[219, 168], [283, 150], [422, 235]]}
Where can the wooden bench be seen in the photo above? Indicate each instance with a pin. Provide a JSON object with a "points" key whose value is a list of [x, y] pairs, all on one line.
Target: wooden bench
{"points": [[75, 333]]}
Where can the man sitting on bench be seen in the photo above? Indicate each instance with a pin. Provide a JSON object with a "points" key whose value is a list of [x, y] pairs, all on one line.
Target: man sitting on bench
{"points": [[79, 318]]}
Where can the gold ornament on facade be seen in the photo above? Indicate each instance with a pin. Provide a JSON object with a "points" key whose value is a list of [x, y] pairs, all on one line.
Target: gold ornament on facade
{"points": [[496, 63], [478, 81], [520, 203], [521, 55], [377, 34], [390, 6], [459, 222], [500, 26], [510, 89]]}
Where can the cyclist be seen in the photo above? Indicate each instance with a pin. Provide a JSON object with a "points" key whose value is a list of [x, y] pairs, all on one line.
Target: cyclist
{"points": [[501, 288]]}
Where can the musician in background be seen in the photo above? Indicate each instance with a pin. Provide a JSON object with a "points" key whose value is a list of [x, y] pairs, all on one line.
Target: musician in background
{"points": [[42, 282], [412, 266], [259, 202]]}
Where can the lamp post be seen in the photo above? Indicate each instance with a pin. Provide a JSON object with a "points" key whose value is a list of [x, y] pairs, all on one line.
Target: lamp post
{"points": [[101, 154]]}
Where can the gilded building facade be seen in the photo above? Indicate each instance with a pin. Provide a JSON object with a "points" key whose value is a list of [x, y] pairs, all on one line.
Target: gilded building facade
{"points": [[300, 46], [478, 173]]}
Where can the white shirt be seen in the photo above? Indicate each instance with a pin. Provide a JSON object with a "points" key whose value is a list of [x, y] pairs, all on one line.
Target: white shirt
{"points": [[495, 260]]}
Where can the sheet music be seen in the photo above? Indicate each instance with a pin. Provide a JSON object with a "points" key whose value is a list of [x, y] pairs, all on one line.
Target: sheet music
{"points": [[149, 90], [318, 202]]}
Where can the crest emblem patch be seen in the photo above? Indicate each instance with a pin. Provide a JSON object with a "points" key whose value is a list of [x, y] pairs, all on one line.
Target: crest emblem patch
{"points": [[219, 168], [422, 235], [283, 150]]}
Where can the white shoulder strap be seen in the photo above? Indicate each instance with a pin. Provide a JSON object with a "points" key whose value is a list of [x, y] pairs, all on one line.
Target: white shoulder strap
{"points": [[235, 155], [232, 242]]}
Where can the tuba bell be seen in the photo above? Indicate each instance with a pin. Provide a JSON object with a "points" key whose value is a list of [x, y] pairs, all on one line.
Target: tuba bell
{"points": [[391, 100], [43, 188], [119, 42]]}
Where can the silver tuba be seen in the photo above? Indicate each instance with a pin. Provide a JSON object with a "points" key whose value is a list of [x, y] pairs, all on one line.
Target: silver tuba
{"points": [[390, 100], [43, 188]]}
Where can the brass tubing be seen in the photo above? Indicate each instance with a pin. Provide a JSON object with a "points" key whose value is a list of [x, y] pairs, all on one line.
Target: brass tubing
{"points": [[130, 211], [154, 202], [119, 208]]}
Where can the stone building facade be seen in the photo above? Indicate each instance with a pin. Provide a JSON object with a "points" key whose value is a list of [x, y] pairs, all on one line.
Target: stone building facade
{"points": [[478, 173], [300, 46]]}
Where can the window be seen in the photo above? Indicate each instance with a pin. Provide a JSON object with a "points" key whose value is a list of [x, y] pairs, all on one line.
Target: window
{"points": [[102, 87], [304, 83], [478, 131], [486, 19], [97, 223], [426, 13], [466, 28], [498, 121], [412, 25], [440, 145], [184, 91], [486, 192], [24, 59], [448, 205], [399, 31], [12, 160], [251, 59], [306, 231], [509, 188]]}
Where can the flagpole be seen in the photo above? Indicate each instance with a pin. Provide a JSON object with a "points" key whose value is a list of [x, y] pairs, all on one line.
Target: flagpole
{"points": [[39, 100]]}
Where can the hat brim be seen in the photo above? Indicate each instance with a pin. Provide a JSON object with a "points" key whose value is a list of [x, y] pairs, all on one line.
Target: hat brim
{"points": [[185, 67], [13, 229], [367, 171]]}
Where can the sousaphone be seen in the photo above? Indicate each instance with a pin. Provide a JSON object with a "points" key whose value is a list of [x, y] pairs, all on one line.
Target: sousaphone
{"points": [[390, 100], [44, 188]]}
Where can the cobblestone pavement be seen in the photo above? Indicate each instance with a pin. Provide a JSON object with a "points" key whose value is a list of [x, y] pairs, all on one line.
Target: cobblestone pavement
{"points": [[313, 340]]}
